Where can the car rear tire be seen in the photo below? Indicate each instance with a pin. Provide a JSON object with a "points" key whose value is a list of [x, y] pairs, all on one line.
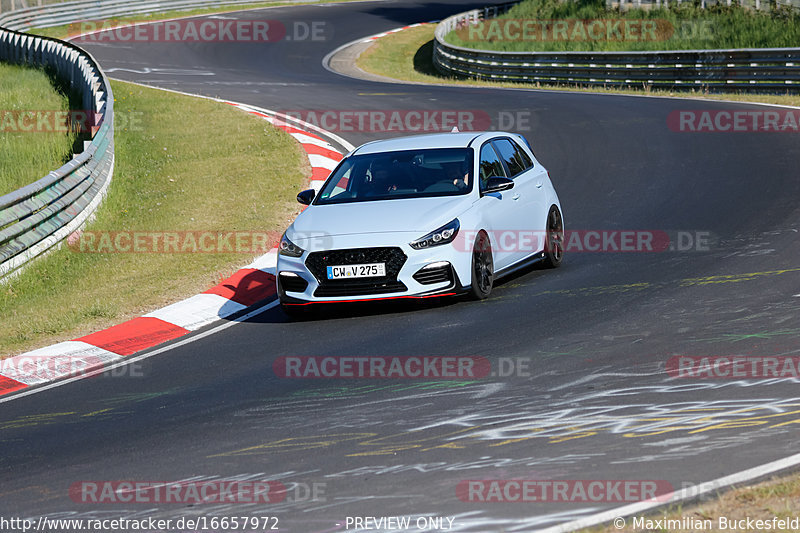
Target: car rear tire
{"points": [[482, 267], [554, 239]]}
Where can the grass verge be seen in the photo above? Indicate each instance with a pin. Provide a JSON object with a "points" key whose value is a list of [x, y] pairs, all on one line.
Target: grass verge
{"points": [[776, 498], [28, 152], [588, 25], [174, 172], [407, 56]]}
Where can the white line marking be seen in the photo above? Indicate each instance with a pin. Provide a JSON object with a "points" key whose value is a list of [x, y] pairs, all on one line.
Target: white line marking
{"points": [[137, 358], [674, 497]]}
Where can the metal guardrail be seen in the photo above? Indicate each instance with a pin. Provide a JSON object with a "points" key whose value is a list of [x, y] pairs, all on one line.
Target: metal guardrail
{"points": [[758, 69], [99, 10], [36, 217], [39, 215], [751, 4]]}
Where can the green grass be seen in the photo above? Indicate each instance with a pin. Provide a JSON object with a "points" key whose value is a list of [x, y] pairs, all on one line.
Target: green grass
{"points": [[407, 56], [680, 27], [26, 156], [175, 170]]}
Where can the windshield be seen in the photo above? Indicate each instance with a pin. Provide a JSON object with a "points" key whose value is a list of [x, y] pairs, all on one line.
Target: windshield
{"points": [[394, 175]]}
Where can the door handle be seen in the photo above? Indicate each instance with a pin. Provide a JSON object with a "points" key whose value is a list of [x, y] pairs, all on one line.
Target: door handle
{"points": [[515, 197], [539, 184]]}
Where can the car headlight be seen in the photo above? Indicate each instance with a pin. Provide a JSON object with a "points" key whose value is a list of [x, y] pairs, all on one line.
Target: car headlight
{"points": [[443, 235], [288, 248]]}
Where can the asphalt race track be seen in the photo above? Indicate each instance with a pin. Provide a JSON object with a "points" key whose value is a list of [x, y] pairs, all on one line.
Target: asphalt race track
{"points": [[589, 398]]}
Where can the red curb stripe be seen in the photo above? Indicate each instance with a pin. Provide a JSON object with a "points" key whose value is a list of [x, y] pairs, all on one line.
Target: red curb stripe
{"points": [[134, 335], [284, 125], [247, 287], [319, 150], [319, 173], [8, 385], [290, 129]]}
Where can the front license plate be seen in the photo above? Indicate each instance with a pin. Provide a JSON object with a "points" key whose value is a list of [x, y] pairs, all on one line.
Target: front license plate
{"points": [[370, 270]]}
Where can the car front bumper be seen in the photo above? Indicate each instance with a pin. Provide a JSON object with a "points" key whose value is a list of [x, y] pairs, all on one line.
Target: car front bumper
{"points": [[433, 272]]}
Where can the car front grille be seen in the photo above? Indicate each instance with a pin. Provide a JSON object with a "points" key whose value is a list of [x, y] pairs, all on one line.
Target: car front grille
{"points": [[393, 258]]}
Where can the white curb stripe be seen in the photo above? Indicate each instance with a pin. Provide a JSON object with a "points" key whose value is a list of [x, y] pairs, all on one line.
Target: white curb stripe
{"points": [[54, 362], [308, 139], [197, 311], [317, 160]]}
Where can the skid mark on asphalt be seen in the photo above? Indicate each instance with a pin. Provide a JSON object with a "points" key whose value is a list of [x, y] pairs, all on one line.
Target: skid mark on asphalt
{"points": [[640, 286], [502, 422], [737, 337], [64, 417]]}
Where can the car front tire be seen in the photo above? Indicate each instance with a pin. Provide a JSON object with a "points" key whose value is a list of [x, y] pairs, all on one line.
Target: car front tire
{"points": [[554, 243]]}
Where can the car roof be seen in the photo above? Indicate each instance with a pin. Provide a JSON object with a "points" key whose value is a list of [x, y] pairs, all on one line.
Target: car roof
{"points": [[430, 140]]}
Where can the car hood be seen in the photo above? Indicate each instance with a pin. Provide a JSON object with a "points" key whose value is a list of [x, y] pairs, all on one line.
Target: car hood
{"points": [[417, 215]]}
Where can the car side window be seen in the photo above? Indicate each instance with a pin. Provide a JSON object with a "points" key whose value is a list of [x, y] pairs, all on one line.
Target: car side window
{"points": [[513, 156], [525, 157], [490, 165]]}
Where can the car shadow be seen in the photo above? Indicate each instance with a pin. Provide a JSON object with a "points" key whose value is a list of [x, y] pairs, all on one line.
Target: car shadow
{"points": [[325, 312]]}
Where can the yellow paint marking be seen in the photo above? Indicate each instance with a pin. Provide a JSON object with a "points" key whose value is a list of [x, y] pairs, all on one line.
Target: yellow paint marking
{"points": [[735, 277], [686, 282], [449, 445], [33, 420], [95, 413], [556, 440], [405, 434], [512, 441], [386, 451], [660, 431], [796, 421], [731, 425], [297, 444]]}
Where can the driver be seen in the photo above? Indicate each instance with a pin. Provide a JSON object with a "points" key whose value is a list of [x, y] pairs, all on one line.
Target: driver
{"points": [[456, 173], [382, 180]]}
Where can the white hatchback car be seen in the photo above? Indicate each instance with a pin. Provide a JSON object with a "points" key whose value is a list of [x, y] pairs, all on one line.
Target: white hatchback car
{"points": [[422, 216]]}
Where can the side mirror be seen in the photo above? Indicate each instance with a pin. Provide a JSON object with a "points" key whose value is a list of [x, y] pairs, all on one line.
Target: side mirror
{"points": [[306, 197], [497, 184]]}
